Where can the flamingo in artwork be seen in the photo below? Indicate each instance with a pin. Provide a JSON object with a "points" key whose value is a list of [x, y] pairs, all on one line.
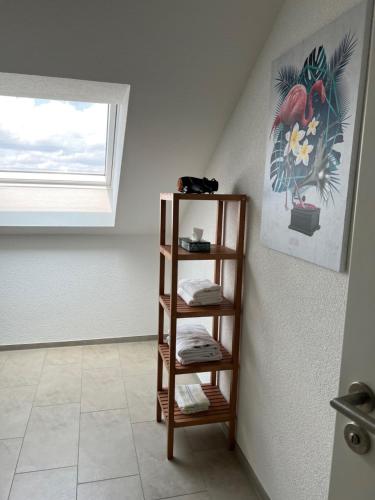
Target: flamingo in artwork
{"points": [[293, 110]]}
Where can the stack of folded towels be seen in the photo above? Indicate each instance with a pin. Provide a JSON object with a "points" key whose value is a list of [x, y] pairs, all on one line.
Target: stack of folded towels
{"points": [[195, 345], [191, 399], [199, 292]]}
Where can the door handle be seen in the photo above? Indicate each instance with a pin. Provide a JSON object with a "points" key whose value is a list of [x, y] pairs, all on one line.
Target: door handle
{"points": [[356, 405]]}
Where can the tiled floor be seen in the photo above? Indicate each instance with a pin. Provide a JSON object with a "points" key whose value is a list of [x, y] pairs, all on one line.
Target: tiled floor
{"points": [[79, 423]]}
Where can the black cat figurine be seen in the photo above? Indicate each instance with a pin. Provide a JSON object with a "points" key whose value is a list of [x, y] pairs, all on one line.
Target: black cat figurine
{"points": [[196, 185]]}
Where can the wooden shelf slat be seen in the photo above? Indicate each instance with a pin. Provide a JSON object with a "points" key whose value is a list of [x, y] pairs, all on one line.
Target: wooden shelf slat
{"points": [[205, 196], [219, 410], [224, 364], [217, 252], [225, 308]]}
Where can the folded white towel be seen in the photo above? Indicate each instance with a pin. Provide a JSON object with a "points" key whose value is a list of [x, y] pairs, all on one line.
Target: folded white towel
{"points": [[205, 296], [193, 337], [196, 286], [200, 358], [190, 398], [207, 299], [194, 344], [192, 329]]}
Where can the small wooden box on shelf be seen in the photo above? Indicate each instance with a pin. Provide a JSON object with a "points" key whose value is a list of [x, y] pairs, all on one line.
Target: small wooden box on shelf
{"points": [[220, 409]]}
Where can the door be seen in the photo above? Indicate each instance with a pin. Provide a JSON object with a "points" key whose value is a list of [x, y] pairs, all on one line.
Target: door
{"points": [[353, 475]]}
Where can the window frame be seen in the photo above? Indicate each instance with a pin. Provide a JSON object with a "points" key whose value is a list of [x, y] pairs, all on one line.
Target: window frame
{"points": [[69, 179], [61, 205]]}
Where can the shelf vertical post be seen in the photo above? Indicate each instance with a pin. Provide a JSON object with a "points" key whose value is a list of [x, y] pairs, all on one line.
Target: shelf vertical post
{"points": [[161, 310], [237, 319], [173, 325], [217, 275]]}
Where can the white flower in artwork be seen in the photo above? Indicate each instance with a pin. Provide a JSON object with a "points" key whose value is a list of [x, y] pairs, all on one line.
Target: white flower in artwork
{"points": [[293, 139], [311, 128], [304, 152]]}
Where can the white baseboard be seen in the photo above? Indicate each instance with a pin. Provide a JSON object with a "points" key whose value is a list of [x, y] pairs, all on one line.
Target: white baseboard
{"points": [[111, 340], [248, 469]]}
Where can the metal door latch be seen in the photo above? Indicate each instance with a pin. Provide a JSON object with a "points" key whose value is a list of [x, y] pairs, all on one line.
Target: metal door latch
{"points": [[356, 405]]}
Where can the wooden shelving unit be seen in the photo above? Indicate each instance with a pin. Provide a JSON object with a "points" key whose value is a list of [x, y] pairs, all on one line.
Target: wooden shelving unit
{"points": [[220, 409]]}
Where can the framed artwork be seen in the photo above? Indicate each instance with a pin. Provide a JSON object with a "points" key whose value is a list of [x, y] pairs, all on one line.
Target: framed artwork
{"points": [[314, 128]]}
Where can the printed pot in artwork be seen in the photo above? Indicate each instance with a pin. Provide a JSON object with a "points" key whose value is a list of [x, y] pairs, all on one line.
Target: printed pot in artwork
{"points": [[305, 219]]}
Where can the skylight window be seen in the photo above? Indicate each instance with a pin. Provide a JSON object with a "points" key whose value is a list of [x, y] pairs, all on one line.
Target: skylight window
{"points": [[61, 150], [47, 136]]}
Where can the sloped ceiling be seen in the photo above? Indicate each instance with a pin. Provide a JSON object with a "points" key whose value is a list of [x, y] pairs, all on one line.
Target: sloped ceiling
{"points": [[186, 61]]}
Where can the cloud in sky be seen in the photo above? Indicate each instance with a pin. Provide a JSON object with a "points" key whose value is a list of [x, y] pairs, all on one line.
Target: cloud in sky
{"points": [[40, 135]]}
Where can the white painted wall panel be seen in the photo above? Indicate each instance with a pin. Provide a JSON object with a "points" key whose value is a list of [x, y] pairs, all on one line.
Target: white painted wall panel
{"points": [[58, 288]]}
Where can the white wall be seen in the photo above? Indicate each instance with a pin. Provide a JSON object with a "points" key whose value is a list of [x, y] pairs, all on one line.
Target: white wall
{"points": [[186, 63], [293, 311], [58, 288]]}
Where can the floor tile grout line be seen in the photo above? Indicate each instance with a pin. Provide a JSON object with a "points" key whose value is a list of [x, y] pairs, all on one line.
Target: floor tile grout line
{"points": [[106, 367], [115, 345], [137, 458], [45, 369], [118, 379], [104, 409], [16, 386], [15, 467], [79, 426], [127, 400], [143, 421], [46, 470], [27, 425], [134, 443], [10, 438], [183, 495], [65, 403], [107, 479], [40, 377], [41, 405], [100, 368], [95, 411]]}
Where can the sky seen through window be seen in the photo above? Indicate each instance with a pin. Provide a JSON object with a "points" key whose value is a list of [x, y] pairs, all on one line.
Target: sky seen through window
{"points": [[51, 136]]}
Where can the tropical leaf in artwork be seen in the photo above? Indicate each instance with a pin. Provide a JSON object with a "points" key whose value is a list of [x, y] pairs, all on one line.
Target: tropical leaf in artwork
{"points": [[323, 174], [279, 172], [285, 80], [328, 179], [315, 68], [335, 134], [341, 57], [344, 105]]}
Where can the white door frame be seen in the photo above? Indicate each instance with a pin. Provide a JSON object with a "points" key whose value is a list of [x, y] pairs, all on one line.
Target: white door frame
{"points": [[353, 475]]}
